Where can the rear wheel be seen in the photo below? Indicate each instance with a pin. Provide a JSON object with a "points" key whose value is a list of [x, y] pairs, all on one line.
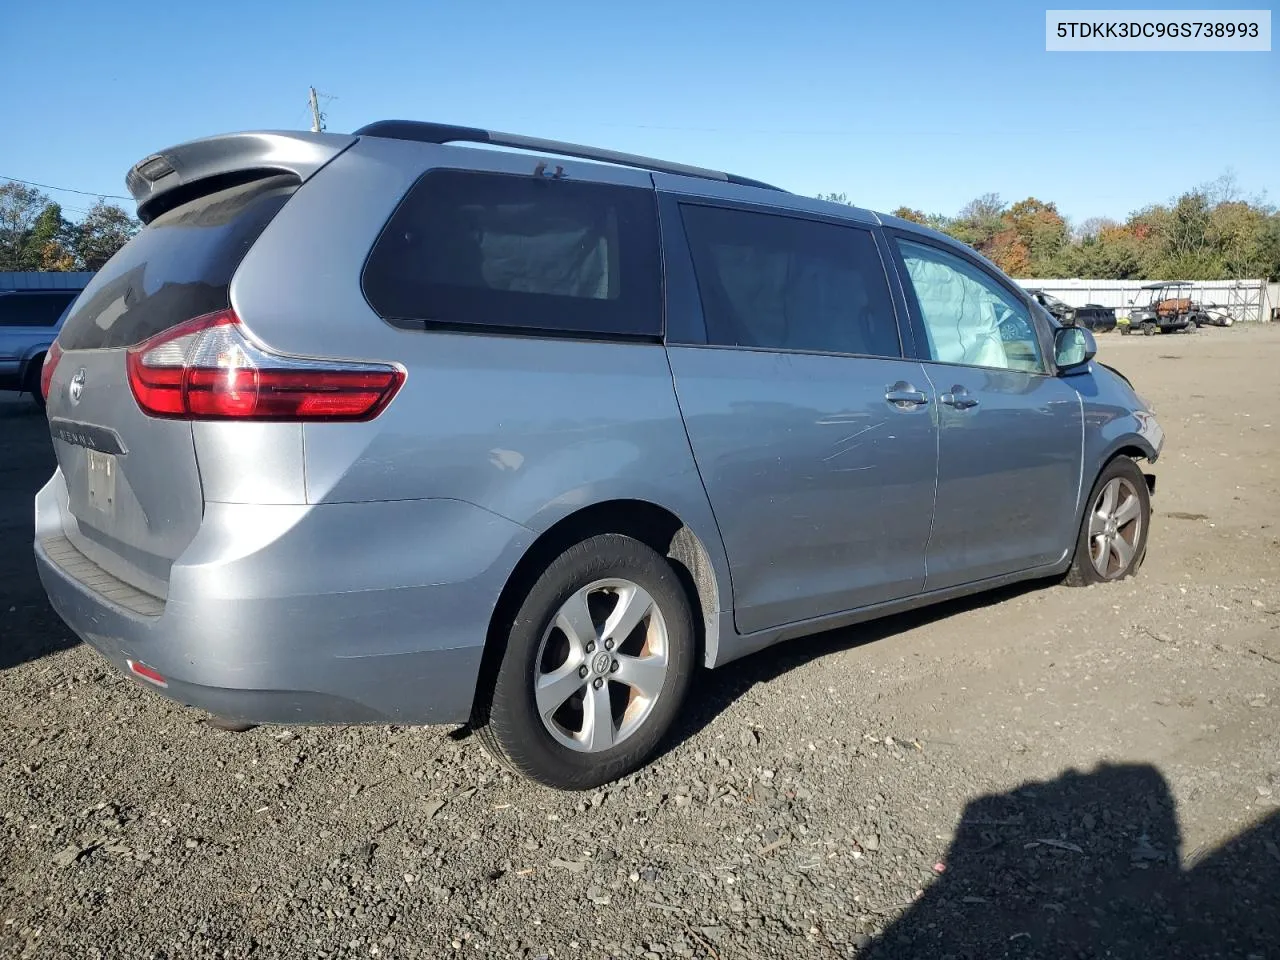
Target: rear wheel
{"points": [[598, 659], [1112, 542], [1148, 329]]}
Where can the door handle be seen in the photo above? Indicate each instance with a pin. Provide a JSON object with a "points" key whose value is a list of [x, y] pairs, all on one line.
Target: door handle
{"points": [[960, 398], [904, 395]]}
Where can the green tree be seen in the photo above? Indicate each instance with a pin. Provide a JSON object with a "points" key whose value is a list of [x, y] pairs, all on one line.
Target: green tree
{"points": [[104, 230], [1186, 250], [1266, 247], [978, 222], [46, 245], [21, 207]]}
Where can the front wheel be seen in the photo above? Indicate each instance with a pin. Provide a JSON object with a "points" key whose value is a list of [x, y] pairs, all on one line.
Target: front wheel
{"points": [[598, 660], [1112, 542], [1148, 329]]}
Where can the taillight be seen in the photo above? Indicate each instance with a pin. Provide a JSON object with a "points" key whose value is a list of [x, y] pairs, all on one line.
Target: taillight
{"points": [[210, 369], [51, 359]]}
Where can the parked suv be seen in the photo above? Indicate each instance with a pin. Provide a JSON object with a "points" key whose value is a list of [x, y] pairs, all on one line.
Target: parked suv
{"points": [[29, 322], [388, 428]]}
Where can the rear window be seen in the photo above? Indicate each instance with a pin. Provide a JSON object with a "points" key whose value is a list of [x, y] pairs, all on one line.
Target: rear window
{"points": [[178, 267], [33, 309], [467, 249]]}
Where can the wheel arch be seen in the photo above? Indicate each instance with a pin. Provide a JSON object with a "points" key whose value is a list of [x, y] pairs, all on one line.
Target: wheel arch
{"points": [[1131, 445], [31, 364], [648, 522]]}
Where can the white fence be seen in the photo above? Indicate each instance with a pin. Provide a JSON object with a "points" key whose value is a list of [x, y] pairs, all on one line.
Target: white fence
{"points": [[1247, 301]]}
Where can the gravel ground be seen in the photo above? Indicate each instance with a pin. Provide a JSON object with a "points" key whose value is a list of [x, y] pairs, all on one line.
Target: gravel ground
{"points": [[1040, 773]]}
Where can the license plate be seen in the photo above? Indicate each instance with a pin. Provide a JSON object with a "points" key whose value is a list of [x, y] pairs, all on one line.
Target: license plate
{"points": [[101, 475]]}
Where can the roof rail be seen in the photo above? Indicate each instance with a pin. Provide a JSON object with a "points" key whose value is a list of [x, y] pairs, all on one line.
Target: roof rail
{"points": [[424, 132]]}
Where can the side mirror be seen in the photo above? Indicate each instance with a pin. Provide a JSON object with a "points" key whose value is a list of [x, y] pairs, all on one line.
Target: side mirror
{"points": [[1073, 348]]}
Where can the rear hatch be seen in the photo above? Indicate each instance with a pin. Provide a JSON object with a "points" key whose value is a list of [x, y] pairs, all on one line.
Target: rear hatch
{"points": [[134, 492]]}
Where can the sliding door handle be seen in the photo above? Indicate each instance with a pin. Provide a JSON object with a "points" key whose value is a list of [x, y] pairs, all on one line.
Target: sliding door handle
{"points": [[960, 398], [905, 395]]}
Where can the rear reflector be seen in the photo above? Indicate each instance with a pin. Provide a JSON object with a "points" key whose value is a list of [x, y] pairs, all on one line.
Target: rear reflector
{"points": [[210, 368], [146, 673], [50, 364]]}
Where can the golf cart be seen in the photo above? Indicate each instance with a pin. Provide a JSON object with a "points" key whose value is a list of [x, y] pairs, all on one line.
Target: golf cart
{"points": [[1168, 309]]}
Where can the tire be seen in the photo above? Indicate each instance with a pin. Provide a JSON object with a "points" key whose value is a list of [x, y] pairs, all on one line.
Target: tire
{"points": [[1124, 560], [32, 384], [1124, 330], [570, 749], [1148, 329]]}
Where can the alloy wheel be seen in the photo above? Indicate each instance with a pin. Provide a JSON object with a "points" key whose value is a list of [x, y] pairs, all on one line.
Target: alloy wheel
{"points": [[601, 665], [1115, 528]]}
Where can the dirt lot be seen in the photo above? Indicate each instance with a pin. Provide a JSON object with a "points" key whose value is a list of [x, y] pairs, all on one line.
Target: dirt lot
{"points": [[1043, 773]]}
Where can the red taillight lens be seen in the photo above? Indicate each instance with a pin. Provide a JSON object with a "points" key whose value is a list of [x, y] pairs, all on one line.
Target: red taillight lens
{"points": [[51, 359], [210, 369]]}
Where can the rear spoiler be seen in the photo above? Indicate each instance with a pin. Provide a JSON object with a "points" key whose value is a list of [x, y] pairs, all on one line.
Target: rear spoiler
{"points": [[166, 179]]}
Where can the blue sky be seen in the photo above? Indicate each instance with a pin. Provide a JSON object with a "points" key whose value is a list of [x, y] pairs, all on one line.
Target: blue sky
{"points": [[892, 102]]}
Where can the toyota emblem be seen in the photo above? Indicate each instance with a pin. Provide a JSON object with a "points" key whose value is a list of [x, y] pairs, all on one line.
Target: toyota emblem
{"points": [[76, 388]]}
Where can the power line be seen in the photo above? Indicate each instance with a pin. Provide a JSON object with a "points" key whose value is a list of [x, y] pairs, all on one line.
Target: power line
{"points": [[83, 193]]}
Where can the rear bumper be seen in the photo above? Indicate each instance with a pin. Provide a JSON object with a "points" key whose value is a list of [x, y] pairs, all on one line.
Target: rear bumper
{"points": [[330, 613]]}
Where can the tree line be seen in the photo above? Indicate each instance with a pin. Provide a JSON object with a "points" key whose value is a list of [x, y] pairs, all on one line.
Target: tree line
{"points": [[34, 235], [1210, 233]]}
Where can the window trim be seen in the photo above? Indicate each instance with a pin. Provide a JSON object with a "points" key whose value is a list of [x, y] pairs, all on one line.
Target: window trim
{"points": [[530, 331], [918, 329], [677, 201]]}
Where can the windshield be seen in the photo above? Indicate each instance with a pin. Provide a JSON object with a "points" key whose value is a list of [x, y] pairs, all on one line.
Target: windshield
{"points": [[1050, 300]]}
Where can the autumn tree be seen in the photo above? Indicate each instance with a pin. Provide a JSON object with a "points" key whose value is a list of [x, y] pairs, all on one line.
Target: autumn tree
{"points": [[909, 213], [1090, 227], [1212, 232]]}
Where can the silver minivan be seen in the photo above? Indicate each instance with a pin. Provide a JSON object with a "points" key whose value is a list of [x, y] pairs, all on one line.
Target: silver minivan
{"points": [[396, 427]]}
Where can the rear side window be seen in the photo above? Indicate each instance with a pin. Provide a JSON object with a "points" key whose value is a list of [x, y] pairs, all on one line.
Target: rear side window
{"points": [[178, 267], [467, 249], [783, 283], [33, 309]]}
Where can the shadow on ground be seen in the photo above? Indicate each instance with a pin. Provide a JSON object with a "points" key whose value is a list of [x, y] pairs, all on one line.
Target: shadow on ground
{"points": [[715, 690], [29, 628], [1091, 865]]}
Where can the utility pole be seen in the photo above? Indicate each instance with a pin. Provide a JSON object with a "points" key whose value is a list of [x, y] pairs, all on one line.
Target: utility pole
{"points": [[317, 121]]}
